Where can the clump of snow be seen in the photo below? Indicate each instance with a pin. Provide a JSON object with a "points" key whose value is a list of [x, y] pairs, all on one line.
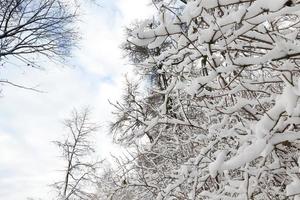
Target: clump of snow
{"points": [[247, 155], [294, 187], [215, 166]]}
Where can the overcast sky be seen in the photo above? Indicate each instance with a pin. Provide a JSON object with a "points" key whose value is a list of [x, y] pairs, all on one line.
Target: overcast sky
{"points": [[29, 121]]}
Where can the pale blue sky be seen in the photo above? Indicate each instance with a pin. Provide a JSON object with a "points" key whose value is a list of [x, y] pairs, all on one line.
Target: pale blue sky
{"points": [[29, 121]]}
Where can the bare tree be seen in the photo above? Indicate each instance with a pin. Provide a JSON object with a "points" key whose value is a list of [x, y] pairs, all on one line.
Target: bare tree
{"points": [[28, 27], [32, 30], [81, 172]]}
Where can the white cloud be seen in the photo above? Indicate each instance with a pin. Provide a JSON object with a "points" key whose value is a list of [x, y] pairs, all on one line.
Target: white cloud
{"points": [[104, 34]]}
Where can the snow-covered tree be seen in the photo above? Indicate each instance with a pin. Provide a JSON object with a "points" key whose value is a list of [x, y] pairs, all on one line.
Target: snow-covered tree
{"points": [[223, 119]]}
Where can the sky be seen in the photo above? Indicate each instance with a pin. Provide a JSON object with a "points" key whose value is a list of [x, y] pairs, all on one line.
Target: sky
{"points": [[29, 121]]}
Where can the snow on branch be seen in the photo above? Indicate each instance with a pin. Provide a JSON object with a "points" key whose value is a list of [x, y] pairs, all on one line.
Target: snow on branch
{"points": [[221, 116]]}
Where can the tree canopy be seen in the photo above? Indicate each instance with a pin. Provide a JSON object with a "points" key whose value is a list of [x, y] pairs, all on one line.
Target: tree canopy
{"points": [[221, 120], [32, 31], [28, 27]]}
